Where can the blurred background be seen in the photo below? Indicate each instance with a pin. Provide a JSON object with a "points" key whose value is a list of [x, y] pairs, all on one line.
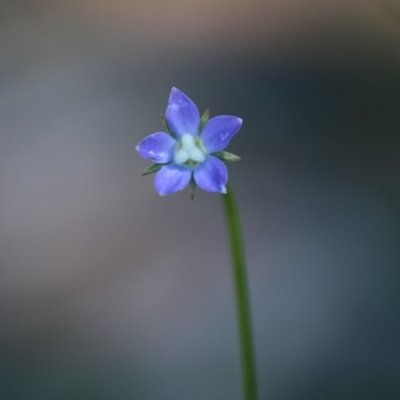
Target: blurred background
{"points": [[109, 291]]}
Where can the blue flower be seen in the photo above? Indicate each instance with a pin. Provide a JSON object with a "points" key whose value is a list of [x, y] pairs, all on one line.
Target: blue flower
{"points": [[191, 153]]}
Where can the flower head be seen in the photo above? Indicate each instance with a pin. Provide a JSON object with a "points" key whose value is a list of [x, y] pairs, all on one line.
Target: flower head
{"points": [[191, 151]]}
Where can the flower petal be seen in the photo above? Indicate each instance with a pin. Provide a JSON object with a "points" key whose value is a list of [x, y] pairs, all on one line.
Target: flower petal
{"points": [[159, 147], [218, 132], [182, 114], [171, 179], [211, 175]]}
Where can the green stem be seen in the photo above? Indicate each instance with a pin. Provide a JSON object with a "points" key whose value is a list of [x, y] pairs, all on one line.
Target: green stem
{"points": [[242, 297]]}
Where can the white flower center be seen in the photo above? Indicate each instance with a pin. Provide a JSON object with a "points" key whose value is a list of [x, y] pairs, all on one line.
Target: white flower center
{"points": [[189, 150]]}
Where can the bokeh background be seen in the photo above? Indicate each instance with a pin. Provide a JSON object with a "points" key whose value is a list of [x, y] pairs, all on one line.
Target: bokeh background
{"points": [[108, 291]]}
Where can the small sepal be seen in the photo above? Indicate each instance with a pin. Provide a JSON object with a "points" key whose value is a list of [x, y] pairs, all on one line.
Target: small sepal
{"points": [[165, 123], [204, 119], [225, 156], [153, 168], [192, 187]]}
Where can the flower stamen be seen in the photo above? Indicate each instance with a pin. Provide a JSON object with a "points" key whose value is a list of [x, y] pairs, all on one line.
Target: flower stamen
{"points": [[189, 151]]}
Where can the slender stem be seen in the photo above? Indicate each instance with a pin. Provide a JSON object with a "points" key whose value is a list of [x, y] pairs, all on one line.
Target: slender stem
{"points": [[242, 297]]}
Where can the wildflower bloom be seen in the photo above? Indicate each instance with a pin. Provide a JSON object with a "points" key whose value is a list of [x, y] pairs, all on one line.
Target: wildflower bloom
{"points": [[191, 152]]}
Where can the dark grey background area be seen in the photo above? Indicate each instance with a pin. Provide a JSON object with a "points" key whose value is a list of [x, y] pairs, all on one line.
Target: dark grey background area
{"points": [[108, 291]]}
